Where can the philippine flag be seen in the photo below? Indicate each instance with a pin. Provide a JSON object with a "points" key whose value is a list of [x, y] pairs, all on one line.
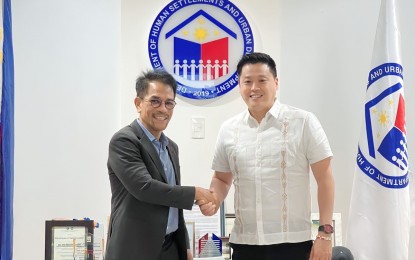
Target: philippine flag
{"points": [[379, 216], [6, 134]]}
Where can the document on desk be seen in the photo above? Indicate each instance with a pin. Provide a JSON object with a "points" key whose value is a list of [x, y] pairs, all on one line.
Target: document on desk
{"points": [[203, 224]]}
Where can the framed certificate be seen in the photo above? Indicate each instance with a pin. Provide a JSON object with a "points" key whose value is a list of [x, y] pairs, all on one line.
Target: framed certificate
{"points": [[190, 226], [69, 240]]}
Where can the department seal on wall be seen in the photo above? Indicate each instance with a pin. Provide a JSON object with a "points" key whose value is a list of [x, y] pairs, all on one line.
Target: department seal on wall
{"points": [[200, 43]]}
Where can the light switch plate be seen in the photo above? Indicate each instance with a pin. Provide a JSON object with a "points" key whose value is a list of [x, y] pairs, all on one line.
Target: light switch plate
{"points": [[198, 127]]}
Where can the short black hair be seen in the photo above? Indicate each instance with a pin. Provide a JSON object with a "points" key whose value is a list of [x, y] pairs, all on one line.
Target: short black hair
{"points": [[257, 57], [160, 75]]}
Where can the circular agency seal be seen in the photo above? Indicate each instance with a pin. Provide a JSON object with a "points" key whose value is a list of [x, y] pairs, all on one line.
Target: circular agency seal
{"points": [[200, 43]]}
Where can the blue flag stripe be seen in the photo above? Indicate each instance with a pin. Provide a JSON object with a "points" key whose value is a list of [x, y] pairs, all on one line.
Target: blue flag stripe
{"points": [[7, 135]]}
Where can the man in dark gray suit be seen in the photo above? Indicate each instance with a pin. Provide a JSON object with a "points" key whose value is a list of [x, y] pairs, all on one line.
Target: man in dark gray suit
{"points": [[147, 202]]}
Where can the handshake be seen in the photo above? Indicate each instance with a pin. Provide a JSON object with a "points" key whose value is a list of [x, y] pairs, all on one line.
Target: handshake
{"points": [[207, 201]]}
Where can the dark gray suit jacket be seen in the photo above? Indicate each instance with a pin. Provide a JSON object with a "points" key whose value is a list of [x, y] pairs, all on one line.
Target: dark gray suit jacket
{"points": [[141, 197]]}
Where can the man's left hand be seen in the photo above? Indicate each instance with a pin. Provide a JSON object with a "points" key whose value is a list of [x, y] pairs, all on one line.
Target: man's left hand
{"points": [[321, 250]]}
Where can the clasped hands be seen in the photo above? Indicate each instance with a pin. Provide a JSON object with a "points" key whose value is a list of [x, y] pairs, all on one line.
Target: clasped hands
{"points": [[207, 201]]}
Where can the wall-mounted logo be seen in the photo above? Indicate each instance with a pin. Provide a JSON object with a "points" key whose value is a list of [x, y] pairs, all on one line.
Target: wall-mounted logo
{"points": [[200, 43]]}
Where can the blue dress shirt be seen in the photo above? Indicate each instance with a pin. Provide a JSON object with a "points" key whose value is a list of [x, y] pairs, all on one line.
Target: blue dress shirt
{"points": [[161, 148]]}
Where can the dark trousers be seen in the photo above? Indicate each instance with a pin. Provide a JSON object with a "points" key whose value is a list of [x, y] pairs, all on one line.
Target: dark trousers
{"points": [[169, 251], [285, 251]]}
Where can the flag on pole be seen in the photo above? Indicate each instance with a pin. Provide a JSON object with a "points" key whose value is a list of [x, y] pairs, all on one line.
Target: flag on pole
{"points": [[379, 214], [6, 134]]}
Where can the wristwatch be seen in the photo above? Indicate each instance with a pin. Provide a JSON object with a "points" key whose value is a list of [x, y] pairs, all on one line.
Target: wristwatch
{"points": [[328, 229]]}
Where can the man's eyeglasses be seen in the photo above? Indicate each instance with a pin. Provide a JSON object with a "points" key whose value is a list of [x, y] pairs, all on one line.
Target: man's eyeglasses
{"points": [[169, 104]]}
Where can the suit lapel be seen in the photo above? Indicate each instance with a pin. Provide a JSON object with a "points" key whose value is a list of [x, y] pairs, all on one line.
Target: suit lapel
{"points": [[174, 159], [142, 137]]}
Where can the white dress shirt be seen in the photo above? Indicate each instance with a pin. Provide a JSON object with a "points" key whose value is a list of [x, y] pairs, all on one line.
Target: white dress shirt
{"points": [[270, 164]]}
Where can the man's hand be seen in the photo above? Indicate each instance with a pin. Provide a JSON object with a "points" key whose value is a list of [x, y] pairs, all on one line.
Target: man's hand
{"points": [[209, 209], [203, 196], [321, 250], [207, 201], [189, 255]]}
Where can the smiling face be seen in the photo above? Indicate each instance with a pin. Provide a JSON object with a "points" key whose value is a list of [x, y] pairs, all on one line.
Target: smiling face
{"points": [[155, 119], [258, 88]]}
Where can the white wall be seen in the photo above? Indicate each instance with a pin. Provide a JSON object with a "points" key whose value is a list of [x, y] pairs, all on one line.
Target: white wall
{"points": [[76, 63], [67, 107]]}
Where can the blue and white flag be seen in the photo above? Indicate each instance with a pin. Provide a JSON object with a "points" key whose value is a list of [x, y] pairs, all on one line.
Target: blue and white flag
{"points": [[379, 216], [6, 133]]}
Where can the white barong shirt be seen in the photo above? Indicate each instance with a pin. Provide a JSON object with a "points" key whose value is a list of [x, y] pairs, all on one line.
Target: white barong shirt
{"points": [[270, 164]]}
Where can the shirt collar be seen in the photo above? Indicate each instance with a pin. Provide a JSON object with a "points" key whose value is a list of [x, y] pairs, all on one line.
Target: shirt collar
{"points": [[272, 112], [275, 109], [163, 139]]}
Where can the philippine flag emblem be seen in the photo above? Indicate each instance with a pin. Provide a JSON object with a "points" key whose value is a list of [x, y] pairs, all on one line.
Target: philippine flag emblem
{"points": [[200, 44]]}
